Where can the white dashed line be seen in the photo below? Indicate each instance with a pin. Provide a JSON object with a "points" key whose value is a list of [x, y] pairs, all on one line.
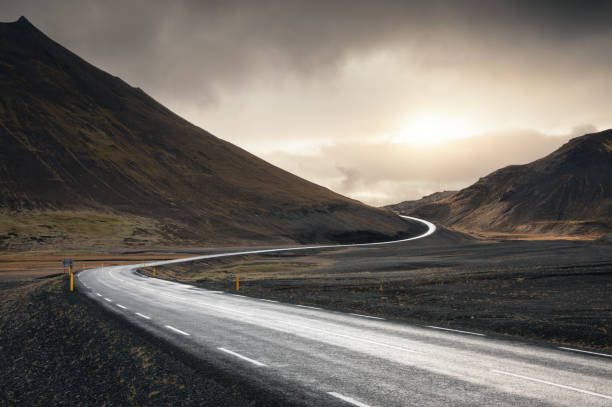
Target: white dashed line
{"points": [[108, 299], [347, 399], [454, 330], [366, 316], [311, 328], [142, 315], [177, 330], [586, 351], [121, 306], [99, 295], [306, 306], [554, 384], [253, 361], [263, 299]]}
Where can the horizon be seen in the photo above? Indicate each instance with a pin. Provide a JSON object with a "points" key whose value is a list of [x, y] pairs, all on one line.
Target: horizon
{"points": [[379, 104]]}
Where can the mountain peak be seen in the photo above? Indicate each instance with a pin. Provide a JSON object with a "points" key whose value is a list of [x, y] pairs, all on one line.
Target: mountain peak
{"points": [[19, 28], [20, 22], [592, 143]]}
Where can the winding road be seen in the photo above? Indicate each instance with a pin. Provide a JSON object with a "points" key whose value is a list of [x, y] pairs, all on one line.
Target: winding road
{"points": [[334, 358]]}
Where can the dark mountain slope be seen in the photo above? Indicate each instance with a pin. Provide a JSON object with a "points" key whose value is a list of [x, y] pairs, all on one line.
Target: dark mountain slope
{"points": [[568, 192], [74, 138]]}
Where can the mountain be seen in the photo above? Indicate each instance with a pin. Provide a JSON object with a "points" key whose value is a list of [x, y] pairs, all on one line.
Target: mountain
{"points": [[567, 193], [87, 160]]}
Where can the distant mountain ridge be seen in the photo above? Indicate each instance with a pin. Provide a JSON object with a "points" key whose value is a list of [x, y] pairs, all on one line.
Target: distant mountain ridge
{"points": [[567, 193], [76, 140]]}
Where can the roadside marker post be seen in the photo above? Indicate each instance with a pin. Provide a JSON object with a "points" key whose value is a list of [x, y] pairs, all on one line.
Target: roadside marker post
{"points": [[71, 278], [237, 283], [154, 271]]}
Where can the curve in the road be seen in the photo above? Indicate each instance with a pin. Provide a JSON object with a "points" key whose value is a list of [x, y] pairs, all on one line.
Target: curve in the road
{"points": [[354, 359], [431, 228]]}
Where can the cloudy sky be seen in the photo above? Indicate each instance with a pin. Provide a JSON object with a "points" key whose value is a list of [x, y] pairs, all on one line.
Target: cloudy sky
{"points": [[382, 101]]}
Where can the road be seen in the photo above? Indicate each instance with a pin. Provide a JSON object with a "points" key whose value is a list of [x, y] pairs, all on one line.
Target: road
{"points": [[334, 358]]}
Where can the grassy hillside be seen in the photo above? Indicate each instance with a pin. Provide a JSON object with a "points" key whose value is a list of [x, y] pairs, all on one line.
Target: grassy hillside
{"points": [[75, 138]]}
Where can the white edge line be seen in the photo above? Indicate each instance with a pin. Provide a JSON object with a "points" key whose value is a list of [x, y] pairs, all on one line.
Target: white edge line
{"points": [[238, 355], [454, 330], [347, 399], [177, 330], [553, 384], [121, 306], [108, 299], [431, 228], [586, 351], [142, 315], [366, 316], [306, 306], [263, 299]]}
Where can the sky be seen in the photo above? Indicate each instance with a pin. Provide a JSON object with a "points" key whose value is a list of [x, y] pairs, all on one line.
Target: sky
{"points": [[382, 101]]}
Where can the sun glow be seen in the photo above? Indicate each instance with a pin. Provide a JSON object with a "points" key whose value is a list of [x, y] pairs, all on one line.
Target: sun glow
{"points": [[427, 130]]}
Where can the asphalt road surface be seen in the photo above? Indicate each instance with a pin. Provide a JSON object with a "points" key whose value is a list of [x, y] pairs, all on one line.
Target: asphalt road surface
{"points": [[332, 358]]}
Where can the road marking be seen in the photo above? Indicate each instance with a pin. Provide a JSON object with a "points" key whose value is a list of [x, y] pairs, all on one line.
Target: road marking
{"points": [[238, 355], [454, 330], [177, 330], [347, 399], [553, 384], [108, 299], [306, 306], [238, 295], [431, 228], [263, 299], [287, 323], [121, 306], [99, 295], [366, 316], [586, 351], [142, 316]]}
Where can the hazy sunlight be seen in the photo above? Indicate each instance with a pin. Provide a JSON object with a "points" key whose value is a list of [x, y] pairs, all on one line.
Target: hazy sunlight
{"points": [[427, 130]]}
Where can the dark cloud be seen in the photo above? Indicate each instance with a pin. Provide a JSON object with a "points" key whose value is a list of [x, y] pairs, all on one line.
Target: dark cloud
{"points": [[198, 49]]}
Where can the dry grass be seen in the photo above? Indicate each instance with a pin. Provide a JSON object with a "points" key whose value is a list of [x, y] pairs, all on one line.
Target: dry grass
{"points": [[15, 266], [73, 230]]}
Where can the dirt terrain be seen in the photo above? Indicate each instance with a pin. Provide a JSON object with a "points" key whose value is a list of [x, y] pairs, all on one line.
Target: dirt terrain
{"points": [[556, 291]]}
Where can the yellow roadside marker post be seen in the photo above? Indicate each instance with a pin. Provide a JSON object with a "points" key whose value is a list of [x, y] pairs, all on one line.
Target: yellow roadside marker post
{"points": [[71, 278], [237, 283], [154, 271]]}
